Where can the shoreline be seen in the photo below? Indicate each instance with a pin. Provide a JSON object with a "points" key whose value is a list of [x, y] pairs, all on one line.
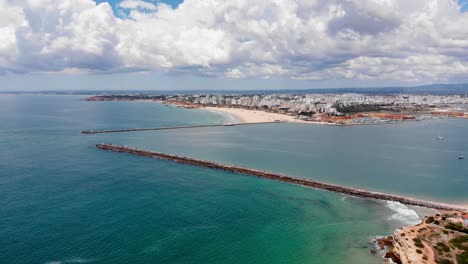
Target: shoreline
{"points": [[406, 253], [228, 118], [434, 239], [256, 116]]}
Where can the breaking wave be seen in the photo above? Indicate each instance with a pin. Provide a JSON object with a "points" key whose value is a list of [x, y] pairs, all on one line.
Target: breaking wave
{"points": [[228, 118], [402, 213]]}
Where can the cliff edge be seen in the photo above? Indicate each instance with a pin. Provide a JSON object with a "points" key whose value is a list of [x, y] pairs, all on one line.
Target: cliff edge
{"points": [[442, 238]]}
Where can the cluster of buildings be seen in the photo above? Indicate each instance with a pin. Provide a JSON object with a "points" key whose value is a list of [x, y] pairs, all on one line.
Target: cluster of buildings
{"points": [[349, 108], [332, 104]]}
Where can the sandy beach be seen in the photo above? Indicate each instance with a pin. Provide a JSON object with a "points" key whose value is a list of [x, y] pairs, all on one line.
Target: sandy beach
{"points": [[254, 116]]}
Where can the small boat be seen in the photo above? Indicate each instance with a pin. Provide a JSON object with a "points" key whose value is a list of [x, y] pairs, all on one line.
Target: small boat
{"points": [[461, 157], [440, 138]]}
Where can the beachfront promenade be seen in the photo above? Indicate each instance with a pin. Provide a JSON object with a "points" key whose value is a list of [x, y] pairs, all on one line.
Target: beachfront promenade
{"points": [[174, 127], [284, 178]]}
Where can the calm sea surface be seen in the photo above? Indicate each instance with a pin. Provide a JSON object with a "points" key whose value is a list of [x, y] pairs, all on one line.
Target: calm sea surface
{"points": [[63, 201]]}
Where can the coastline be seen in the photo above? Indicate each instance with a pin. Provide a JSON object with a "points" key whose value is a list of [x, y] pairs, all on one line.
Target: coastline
{"points": [[243, 116], [393, 248], [255, 116], [228, 118], [410, 215], [259, 114], [436, 238], [141, 197]]}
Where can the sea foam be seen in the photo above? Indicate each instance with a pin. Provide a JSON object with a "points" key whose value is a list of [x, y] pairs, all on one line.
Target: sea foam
{"points": [[403, 213], [73, 260], [228, 117]]}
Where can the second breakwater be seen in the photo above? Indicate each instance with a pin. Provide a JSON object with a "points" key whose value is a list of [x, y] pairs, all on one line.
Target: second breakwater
{"points": [[173, 127], [284, 178]]}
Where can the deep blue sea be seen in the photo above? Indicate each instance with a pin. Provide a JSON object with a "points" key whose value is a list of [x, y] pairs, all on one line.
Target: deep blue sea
{"points": [[63, 201]]}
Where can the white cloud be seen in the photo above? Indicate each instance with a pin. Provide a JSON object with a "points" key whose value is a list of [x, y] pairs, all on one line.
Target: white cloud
{"points": [[136, 4], [419, 40], [411, 68]]}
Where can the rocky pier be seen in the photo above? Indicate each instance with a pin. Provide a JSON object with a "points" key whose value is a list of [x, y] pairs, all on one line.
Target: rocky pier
{"points": [[173, 127], [357, 192]]}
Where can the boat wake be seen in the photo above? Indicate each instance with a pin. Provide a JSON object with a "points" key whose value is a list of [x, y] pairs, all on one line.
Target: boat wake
{"points": [[403, 213]]}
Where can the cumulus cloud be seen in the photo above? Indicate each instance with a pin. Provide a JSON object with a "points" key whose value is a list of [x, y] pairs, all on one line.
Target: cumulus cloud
{"points": [[419, 40], [136, 4], [47, 35]]}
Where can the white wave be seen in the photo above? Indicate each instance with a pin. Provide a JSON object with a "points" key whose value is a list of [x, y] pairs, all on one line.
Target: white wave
{"points": [[228, 117], [402, 213], [73, 260]]}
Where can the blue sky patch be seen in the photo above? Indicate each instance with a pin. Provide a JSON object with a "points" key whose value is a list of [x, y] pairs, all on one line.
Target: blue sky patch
{"points": [[464, 5], [113, 3]]}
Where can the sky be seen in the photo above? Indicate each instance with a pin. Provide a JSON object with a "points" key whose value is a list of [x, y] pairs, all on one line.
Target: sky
{"points": [[464, 5], [231, 44]]}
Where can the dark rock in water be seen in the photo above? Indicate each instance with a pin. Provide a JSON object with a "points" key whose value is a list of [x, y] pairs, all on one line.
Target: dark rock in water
{"points": [[393, 256], [385, 242]]}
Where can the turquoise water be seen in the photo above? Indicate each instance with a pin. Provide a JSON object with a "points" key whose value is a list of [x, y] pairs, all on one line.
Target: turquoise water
{"points": [[63, 201]]}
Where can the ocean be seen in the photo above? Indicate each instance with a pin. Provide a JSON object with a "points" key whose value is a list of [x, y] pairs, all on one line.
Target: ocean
{"points": [[64, 201]]}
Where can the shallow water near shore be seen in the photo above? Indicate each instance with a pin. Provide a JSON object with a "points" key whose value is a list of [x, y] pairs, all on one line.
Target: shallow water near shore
{"points": [[63, 201]]}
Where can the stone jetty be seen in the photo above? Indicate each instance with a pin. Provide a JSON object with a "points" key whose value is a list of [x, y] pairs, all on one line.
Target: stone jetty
{"points": [[284, 178]]}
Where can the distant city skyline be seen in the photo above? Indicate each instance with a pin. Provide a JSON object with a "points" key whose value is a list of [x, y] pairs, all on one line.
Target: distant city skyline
{"points": [[230, 45]]}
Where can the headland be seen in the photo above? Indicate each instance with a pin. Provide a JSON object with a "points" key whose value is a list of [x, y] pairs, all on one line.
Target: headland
{"points": [[440, 238]]}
